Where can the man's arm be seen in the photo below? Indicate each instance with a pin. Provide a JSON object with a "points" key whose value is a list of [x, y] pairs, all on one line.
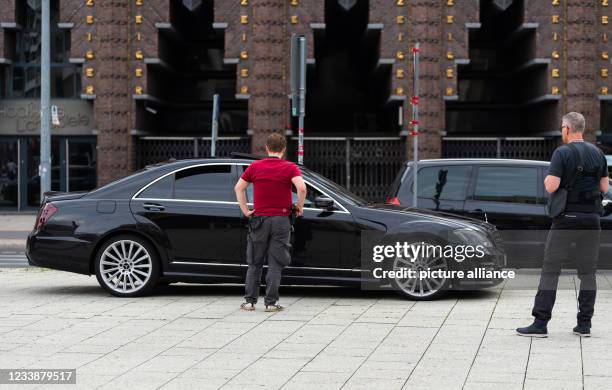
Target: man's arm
{"points": [[551, 183], [300, 186], [240, 190], [604, 184], [555, 171]]}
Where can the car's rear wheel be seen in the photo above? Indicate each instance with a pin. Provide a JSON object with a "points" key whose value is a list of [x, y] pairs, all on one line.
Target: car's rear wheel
{"points": [[421, 288], [127, 266]]}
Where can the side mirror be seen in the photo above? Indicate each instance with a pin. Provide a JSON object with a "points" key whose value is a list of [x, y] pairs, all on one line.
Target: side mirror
{"points": [[323, 202], [607, 207]]}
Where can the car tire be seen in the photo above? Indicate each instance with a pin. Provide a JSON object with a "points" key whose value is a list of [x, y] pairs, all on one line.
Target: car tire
{"points": [[426, 289], [127, 266]]}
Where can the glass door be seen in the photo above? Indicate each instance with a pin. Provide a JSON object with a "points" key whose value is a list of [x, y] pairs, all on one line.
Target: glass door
{"points": [[81, 164], [9, 173], [33, 162]]}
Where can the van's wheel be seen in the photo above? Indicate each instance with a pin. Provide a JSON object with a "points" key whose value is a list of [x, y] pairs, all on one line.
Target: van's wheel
{"points": [[127, 266], [421, 289]]}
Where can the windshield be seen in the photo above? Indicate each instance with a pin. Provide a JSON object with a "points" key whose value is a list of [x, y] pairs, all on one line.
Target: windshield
{"points": [[342, 192]]}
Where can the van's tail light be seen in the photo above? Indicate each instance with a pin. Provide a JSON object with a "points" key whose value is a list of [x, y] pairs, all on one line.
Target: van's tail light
{"points": [[45, 213], [395, 200]]}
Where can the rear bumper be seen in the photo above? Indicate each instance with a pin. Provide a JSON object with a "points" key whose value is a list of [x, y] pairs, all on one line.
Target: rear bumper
{"points": [[60, 253]]}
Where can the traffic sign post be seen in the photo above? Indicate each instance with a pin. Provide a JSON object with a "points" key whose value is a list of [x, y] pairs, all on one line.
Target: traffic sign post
{"points": [[298, 88], [44, 168], [415, 122], [215, 126]]}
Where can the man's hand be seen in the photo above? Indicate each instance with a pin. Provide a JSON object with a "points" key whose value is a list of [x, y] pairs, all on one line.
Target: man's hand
{"points": [[300, 186], [240, 190], [299, 210]]}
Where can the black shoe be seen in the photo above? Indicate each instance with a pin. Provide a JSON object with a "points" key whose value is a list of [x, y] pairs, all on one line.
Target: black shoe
{"points": [[582, 331], [533, 330]]}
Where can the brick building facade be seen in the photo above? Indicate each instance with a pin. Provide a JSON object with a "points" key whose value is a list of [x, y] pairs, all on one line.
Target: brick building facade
{"points": [[129, 54]]}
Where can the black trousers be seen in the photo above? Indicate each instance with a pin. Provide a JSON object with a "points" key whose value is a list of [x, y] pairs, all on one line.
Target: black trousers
{"points": [[268, 241], [582, 229]]}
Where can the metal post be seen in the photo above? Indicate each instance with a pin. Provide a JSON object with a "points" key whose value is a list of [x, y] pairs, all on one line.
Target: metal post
{"points": [[302, 98], [45, 97], [415, 123], [348, 163], [215, 126], [499, 148]]}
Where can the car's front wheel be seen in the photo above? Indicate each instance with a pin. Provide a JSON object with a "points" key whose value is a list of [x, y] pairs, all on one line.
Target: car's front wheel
{"points": [[127, 266], [422, 287]]}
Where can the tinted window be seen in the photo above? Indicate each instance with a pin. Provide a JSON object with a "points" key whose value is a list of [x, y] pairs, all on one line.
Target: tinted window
{"points": [[311, 195], [204, 183], [447, 182], [162, 189], [507, 184]]}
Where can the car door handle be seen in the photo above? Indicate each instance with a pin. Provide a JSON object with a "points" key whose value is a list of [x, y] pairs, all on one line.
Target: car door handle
{"points": [[153, 207]]}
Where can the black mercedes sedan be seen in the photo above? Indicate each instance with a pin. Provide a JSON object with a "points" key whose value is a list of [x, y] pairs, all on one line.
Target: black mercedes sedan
{"points": [[180, 222]]}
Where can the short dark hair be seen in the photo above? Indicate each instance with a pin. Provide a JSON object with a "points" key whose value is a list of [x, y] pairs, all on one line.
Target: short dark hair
{"points": [[276, 143]]}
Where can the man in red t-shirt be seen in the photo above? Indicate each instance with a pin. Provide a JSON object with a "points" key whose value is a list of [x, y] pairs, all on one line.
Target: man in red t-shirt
{"points": [[269, 224]]}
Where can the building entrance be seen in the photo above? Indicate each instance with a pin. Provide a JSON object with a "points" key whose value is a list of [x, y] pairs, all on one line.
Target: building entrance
{"points": [[73, 168]]}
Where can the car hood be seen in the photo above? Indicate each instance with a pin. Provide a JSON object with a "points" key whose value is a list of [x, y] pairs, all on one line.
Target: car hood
{"points": [[441, 217]]}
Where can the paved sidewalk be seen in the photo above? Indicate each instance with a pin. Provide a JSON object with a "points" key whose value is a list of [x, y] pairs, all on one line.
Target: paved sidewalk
{"points": [[194, 337]]}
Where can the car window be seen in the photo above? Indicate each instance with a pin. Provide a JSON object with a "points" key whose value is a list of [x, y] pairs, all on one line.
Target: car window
{"points": [[311, 195], [507, 184], [443, 182], [209, 182], [161, 189]]}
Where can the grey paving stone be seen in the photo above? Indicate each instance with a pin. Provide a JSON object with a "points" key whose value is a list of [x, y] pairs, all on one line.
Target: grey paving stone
{"points": [[175, 341]]}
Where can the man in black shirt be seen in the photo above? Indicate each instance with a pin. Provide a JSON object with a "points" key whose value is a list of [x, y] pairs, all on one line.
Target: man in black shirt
{"points": [[581, 168]]}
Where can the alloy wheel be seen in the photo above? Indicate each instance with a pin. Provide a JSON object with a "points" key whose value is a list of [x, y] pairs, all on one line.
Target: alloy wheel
{"points": [[421, 287], [126, 266]]}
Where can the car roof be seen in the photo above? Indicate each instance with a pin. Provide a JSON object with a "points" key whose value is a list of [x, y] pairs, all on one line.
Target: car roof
{"points": [[173, 164], [483, 161]]}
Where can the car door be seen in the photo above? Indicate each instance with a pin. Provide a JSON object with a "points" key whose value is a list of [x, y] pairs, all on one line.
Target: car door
{"points": [[439, 188], [320, 235], [510, 197], [196, 209]]}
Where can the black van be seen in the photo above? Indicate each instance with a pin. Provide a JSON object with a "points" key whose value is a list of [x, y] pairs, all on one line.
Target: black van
{"points": [[507, 193]]}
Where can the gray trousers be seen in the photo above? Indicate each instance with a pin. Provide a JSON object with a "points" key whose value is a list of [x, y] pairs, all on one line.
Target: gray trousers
{"points": [[268, 240]]}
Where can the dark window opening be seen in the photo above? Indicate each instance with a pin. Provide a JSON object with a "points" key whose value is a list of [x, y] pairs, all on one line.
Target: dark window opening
{"points": [[22, 77], [504, 90], [348, 88], [190, 72]]}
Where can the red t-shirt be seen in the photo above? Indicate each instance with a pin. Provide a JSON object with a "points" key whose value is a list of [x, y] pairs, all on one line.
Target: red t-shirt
{"points": [[271, 178]]}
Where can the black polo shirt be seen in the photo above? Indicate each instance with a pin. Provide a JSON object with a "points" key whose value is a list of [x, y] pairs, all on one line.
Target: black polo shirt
{"points": [[563, 165]]}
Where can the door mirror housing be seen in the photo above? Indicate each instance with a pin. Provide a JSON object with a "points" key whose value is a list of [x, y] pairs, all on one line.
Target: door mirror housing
{"points": [[607, 207], [323, 202]]}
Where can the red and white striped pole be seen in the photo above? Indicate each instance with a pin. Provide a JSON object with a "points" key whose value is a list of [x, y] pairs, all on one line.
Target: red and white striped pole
{"points": [[415, 122]]}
